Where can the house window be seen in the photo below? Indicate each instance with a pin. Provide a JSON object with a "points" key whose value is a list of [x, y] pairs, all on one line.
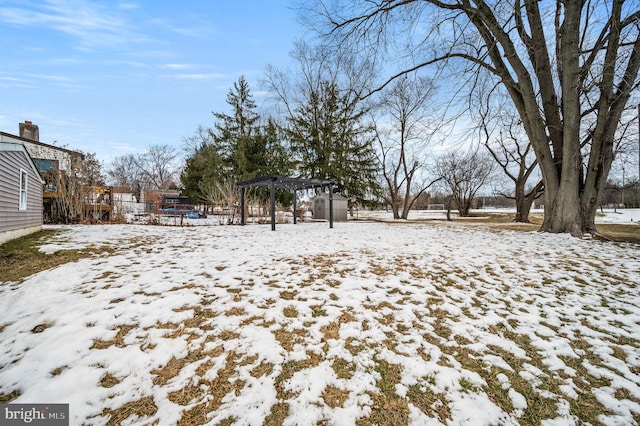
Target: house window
{"points": [[46, 165], [23, 189]]}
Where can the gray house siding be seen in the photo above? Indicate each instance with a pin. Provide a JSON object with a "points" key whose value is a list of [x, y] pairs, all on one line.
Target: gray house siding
{"points": [[15, 222]]}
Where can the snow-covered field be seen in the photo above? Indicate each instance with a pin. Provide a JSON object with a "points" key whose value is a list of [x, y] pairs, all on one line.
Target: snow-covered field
{"points": [[368, 322]]}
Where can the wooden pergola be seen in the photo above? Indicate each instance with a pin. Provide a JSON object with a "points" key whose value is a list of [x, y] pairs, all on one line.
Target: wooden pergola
{"points": [[274, 182]]}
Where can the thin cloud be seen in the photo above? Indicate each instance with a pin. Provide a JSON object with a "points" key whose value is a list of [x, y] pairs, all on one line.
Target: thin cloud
{"points": [[92, 25], [196, 27], [128, 6], [262, 93], [178, 66], [10, 79], [59, 78], [121, 62], [196, 76]]}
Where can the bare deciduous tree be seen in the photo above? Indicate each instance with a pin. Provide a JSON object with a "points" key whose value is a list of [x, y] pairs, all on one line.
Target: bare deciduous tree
{"points": [[74, 188], [154, 170], [125, 172], [510, 148], [201, 137], [404, 128], [463, 174], [157, 166]]}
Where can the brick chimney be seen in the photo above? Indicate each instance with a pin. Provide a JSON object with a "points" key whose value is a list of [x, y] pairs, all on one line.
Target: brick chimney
{"points": [[29, 130]]}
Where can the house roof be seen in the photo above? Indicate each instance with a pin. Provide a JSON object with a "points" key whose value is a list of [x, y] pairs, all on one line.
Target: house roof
{"points": [[284, 182], [16, 146], [4, 135]]}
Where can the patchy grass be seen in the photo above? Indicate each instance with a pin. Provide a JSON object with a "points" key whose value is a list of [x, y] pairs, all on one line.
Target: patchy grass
{"points": [[109, 381], [388, 408], [430, 403], [118, 341], [290, 312], [614, 232], [143, 407], [343, 368], [334, 397], [277, 415], [21, 257], [620, 232], [8, 397], [58, 371]]}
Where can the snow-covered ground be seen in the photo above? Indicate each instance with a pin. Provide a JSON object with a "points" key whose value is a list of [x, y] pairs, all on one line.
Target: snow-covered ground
{"points": [[403, 323], [618, 216], [624, 216]]}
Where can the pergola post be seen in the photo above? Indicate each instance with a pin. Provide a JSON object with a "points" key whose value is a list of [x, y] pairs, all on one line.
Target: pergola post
{"points": [[242, 206], [273, 205], [330, 206], [295, 201]]}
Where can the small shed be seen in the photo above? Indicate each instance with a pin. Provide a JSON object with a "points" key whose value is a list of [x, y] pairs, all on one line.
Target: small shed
{"points": [[20, 191], [320, 205]]}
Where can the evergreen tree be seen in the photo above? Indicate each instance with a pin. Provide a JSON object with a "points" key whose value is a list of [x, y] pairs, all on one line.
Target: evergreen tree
{"points": [[204, 169], [238, 148], [331, 141], [238, 134], [279, 160]]}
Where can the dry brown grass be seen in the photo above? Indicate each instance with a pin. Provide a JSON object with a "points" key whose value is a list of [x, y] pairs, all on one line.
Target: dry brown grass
{"points": [[335, 397], [109, 381], [288, 295], [343, 368], [430, 403], [620, 232], [186, 395], [263, 369], [431, 324], [118, 341], [58, 371], [614, 232], [141, 408], [277, 415], [388, 408], [290, 312], [8, 397]]}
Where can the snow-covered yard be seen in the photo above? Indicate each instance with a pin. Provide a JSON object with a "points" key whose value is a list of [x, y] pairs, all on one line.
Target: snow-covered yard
{"points": [[368, 323]]}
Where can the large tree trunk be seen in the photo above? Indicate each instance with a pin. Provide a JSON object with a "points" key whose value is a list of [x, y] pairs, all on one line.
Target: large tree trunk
{"points": [[395, 206], [524, 200], [407, 202], [561, 214], [562, 206]]}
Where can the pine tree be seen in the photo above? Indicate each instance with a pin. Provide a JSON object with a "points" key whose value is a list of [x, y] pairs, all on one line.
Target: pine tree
{"points": [[204, 169], [331, 141], [238, 135], [239, 147]]}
